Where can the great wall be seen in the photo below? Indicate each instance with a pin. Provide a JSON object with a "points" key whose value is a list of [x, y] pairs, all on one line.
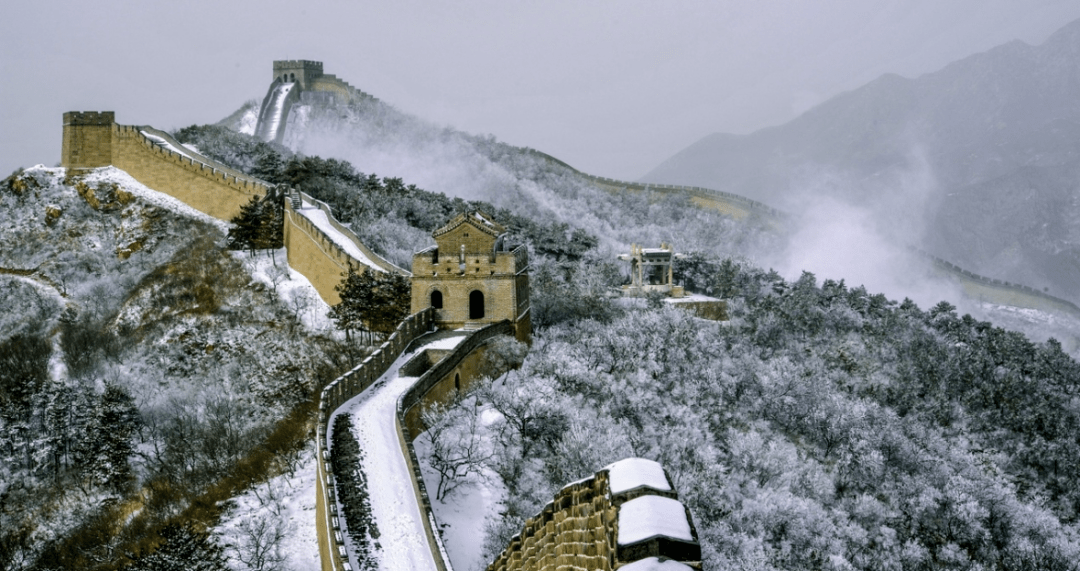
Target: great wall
{"points": [[582, 531], [626, 516]]}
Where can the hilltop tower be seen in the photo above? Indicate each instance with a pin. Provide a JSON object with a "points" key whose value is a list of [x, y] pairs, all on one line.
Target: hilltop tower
{"points": [[300, 71], [87, 141], [472, 277]]}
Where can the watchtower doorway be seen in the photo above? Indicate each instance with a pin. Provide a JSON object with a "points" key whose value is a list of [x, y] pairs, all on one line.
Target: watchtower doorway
{"points": [[436, 299], [476, 304]]}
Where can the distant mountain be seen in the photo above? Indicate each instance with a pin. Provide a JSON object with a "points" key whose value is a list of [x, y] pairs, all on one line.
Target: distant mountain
{"points": [[998, 133]]}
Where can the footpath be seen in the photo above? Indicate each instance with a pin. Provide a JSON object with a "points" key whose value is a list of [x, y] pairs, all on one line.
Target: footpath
{"points": [[402, 538]]}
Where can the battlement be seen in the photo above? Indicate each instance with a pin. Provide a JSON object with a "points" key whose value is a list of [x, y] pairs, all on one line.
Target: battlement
{"points": [[300, 71], [298, 63], [79, 118]]}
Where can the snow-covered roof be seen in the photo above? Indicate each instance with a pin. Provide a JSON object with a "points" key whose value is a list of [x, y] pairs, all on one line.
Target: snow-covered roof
{"points": [[655, 564], [651, 516], [631, 473], [476, 219]]}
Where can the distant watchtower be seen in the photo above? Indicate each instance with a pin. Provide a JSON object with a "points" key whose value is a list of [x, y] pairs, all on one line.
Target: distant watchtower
{"points": [[87, 140], [300, 71], [472, 277]]}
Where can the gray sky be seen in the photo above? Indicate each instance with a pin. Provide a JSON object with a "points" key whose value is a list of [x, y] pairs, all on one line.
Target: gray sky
{"points": [[612, 87]]}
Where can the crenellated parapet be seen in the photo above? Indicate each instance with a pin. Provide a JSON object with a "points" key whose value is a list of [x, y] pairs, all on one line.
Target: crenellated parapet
{"points": [[94, 139], [626, 514]]}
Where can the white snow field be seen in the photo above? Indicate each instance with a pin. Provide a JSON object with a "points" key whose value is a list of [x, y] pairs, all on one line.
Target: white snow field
{"points": [[402, 538]]}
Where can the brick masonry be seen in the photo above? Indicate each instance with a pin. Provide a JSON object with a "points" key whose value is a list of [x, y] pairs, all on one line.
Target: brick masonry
{"points": [[474, 275], [578, 531]]}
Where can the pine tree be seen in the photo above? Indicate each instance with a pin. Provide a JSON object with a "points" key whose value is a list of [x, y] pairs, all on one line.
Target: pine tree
{"points": [[269, 167], [245, 233], [105, 445], [348, 314], [372, 301]]}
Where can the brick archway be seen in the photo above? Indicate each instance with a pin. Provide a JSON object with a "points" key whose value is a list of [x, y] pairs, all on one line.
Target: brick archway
{"points": [[476, 304]]}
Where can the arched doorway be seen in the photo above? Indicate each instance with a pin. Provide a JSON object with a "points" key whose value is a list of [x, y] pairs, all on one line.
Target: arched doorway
{"points": [[476, 304], [436, 299]]}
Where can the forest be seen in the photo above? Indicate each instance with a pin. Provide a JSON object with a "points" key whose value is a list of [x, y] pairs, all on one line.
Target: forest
{"points": [[822, 427]]}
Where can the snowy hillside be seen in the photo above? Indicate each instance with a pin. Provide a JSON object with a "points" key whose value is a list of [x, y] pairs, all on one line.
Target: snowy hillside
{"points": [[145, 368]]}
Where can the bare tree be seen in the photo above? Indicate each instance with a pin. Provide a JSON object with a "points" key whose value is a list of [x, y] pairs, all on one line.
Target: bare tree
{"points": [[259, 545], [458, 448]]}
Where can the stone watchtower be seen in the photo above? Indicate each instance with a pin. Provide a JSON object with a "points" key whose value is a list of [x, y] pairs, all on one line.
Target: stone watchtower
{"points": [[87, 139], [472, 277], [300, 71]]}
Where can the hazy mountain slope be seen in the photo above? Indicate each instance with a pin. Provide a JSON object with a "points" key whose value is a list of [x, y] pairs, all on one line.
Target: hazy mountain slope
{"points": [[1004, 113]]}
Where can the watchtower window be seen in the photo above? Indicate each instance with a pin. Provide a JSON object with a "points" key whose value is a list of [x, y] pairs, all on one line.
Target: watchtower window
{"points": [[457, 381], [436, 299], [476, 304]]}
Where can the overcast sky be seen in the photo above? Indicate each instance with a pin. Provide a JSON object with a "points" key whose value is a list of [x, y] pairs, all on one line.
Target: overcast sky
{"points": [[611, 87]]}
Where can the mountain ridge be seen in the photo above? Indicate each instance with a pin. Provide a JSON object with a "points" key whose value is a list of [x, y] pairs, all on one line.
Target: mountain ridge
{"points": [[1005, 113]]}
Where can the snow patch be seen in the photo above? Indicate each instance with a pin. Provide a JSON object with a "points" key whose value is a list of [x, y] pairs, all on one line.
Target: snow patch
{"points": [[281, 508], [249, 121], [159, 199], [293, 289], [650, 516]]}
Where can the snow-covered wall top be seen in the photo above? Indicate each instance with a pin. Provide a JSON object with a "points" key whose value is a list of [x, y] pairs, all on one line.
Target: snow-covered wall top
{"points": [[631, 473], [651, 516]]}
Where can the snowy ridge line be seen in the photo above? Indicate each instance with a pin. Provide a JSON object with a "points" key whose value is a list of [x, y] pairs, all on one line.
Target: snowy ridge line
{"points": [[382, 262], [702, 192], [333, 555], [412, 399]]}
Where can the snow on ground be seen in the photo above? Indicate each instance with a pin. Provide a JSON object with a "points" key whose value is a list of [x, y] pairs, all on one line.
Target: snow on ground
{"points": [[464, 513], [162, 200], [690, 297], [293, 289], [648, 516], [402, 539], [249, 121], [322, 222], [631, 473], [279, 516]]}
